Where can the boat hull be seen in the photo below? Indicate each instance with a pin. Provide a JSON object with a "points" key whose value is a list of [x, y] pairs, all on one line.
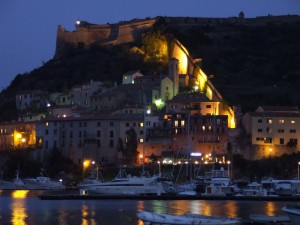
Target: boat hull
{"points": [[165, 219]]}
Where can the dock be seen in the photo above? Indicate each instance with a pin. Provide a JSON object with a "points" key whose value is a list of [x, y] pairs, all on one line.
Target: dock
{"points": [[166, 197]]}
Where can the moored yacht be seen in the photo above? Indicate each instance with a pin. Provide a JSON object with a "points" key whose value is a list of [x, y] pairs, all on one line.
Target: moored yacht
{"points": [[125, 184]]}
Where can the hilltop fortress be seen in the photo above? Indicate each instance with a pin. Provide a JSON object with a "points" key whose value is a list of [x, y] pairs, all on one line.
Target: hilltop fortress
{"points": [[88, 34]]}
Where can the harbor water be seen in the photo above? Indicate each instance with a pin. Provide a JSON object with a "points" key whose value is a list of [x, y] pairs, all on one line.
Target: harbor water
{"points": [[23, 207]]}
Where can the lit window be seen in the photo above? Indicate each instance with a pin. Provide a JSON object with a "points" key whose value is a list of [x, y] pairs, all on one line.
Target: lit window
{"points": [[293, 121], [141, 140], [47, 124], [141, 124], [182, 123], [176, 131], [281, 121], [269, 120], [203, 128], [176, 123]]}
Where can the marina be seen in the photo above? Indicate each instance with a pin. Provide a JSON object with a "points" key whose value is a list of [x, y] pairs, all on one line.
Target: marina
{"points": [[25, 207]]}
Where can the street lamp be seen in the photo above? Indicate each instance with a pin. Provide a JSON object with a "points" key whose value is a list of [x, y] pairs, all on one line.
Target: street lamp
{"points": [[228, 163], [298, 169]]}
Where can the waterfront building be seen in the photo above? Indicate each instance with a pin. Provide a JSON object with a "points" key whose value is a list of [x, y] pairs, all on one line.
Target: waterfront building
{"points": [[17, 135], [274, 130]]}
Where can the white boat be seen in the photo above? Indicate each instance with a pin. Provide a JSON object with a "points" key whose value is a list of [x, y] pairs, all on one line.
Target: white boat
{"points": [[254, 189], [15, 184], [259, 218], [43, 183], [293, 212], [125, 184], [283, 188], [149, 218]]}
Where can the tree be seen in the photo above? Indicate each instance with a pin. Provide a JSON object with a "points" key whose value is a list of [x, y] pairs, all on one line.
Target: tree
{"points": [[131, 146]]}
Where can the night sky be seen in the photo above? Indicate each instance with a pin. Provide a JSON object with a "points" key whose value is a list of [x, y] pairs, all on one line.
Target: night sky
{"points": [[28, 27]]}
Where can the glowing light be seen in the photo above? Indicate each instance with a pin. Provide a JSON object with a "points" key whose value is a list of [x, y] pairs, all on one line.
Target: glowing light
{"points": [[148, 111], [18, 135], [159, 103], [20, 194], [78, 22], [86, 163], [23, 140], [141, 156], [196, 154]]}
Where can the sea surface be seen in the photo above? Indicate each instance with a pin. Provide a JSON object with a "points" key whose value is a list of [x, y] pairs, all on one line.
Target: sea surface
{"points": [[22, 207]]}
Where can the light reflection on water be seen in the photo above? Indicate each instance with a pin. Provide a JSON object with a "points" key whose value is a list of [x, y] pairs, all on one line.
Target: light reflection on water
{"points": [[25, 208], [18, 207]]}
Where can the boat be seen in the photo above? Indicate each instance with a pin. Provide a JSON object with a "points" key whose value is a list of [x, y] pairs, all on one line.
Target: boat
{"points": [[293, 211], [219, 183], [16, 184], [283, 188], [43, 182], [254, 189], [149, 218], [125, 184], [259, 218]]}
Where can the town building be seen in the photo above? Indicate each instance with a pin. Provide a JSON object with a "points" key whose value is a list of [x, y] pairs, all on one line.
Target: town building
{"points": [[274, 130]]}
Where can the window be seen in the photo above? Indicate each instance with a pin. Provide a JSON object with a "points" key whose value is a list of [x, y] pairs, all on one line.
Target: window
{"points": [[293, 121], [98, 124], [141, 140], [71, 134], [259, 130], [208, 106], [269, 130], [182, 123], [98, 143], [292, 130], [111, 133], [269, 120], [281, 121], [84, 133], [281, 141], [111, 124], [259, 121], [280, 130], [46, 132], [127, 124], [55, 132], [268, 140], [47, 124], [46, 144], [176, 123], [111, 143], [259, 139], [79, 134], [98, 133], [203, 128], [141, 124]]}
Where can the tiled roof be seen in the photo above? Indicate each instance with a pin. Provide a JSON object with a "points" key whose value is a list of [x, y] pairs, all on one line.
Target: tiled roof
{"points": [[190, 98]]}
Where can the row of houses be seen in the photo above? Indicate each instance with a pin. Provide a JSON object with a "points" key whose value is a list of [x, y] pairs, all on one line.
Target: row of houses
{"points": [[92, 121]]}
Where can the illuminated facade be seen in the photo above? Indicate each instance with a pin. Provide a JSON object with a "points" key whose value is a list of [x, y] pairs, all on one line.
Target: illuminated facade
{"points": [[274, 130], [17, 135]]}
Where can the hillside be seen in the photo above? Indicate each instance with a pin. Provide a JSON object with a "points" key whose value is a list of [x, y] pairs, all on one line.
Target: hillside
{"points": [[250, 62]]}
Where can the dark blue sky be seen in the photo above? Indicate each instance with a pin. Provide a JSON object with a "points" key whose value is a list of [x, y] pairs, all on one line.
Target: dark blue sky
{"points": [[28, 27]]}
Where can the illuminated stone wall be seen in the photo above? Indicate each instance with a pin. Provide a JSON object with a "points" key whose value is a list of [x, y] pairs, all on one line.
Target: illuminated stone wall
{"points": [[106, 34]]}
